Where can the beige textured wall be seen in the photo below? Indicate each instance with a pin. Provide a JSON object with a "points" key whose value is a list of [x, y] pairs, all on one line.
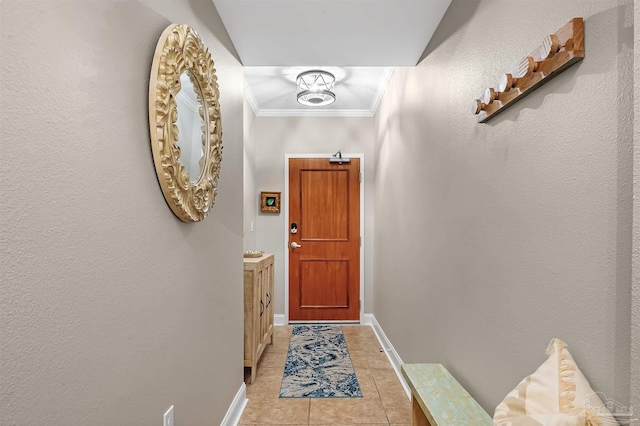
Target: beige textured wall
{"points": [[277, 136], [635, 304], [491, 239], [249, 172], [111, 309]]}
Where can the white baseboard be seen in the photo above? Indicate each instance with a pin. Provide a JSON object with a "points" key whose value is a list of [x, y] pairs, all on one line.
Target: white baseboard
{"points": [[232, 418], [279, 319], [367, 319], [394, 358]]}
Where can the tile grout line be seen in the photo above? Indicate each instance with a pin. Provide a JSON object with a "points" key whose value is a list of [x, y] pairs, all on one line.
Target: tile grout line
{"points": [[377, 389], [366, 354], [379, 395]]}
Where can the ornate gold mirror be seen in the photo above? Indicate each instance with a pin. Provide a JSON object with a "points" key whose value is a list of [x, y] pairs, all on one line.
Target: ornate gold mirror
{"points": [[185, 124]]}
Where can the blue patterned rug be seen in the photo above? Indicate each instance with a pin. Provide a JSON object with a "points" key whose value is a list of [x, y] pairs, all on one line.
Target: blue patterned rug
{"points": [[318, 365]]}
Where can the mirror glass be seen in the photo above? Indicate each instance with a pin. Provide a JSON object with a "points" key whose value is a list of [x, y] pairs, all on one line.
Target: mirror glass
{"points": [[191, 126]]}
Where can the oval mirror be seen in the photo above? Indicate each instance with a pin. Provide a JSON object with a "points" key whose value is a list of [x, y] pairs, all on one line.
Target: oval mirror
{"points": [[185, 123]]}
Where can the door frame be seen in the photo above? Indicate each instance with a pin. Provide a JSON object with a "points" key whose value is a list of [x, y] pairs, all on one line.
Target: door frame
{"points": [[285, 207]]}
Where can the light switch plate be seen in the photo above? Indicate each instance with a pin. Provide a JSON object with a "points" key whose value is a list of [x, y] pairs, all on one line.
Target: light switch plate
{"points": [[169, 417]]}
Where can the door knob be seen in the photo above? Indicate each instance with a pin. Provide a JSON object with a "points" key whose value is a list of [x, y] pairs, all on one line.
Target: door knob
{"points": [[295, 245]]}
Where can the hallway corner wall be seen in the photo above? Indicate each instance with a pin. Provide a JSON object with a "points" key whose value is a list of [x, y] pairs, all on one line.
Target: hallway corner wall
{"points": [[111, 308], [250, 196], [492, 239], [635, 301]]}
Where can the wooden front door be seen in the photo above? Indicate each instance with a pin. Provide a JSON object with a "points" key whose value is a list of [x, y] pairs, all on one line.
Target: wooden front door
{"points": [[324, 270]]}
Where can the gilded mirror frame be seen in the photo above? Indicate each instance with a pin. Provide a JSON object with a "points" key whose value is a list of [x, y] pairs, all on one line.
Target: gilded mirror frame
{"points": [[179, 50]]}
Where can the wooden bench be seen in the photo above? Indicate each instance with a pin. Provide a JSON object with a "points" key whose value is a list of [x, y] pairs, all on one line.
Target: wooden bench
{"points": [[437, 399]]}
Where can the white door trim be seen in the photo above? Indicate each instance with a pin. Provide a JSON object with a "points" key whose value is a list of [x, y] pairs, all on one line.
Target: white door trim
{"points": [[285, 207]]}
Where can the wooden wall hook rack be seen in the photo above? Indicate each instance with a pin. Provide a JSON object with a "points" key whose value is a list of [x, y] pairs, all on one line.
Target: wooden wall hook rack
{"points": [[557, 52]]}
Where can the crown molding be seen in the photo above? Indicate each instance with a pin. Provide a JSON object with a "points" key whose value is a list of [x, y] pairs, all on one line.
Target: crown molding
{"points": [[314, 113], [382, 88], [249, 96]]}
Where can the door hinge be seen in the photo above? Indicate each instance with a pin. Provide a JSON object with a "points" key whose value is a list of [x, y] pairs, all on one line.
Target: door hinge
{"points": [[360, 177], [360, 241], [359, 305]]}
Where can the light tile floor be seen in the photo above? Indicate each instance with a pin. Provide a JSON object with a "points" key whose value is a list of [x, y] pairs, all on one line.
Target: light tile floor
{"points": [[383, 401]]}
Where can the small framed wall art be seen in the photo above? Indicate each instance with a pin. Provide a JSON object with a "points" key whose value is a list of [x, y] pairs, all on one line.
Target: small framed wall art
{"points": [[270, 202]]}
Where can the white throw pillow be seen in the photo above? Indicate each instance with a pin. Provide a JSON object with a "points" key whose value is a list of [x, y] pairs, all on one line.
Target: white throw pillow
{"points": [[557, 394]]}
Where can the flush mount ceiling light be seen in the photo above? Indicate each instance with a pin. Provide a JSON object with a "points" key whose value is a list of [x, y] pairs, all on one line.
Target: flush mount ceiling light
{"points": [[315, 88]]}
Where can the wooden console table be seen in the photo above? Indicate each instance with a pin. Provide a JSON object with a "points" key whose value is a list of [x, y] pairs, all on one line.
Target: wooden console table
{"points": [[258, 309]]}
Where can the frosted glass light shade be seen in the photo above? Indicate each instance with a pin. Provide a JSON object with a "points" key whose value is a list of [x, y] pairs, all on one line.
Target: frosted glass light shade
{"points": [[316, 88]]}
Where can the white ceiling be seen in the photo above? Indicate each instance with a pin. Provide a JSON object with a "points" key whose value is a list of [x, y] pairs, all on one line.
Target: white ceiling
{"points": [[357, 40]]}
